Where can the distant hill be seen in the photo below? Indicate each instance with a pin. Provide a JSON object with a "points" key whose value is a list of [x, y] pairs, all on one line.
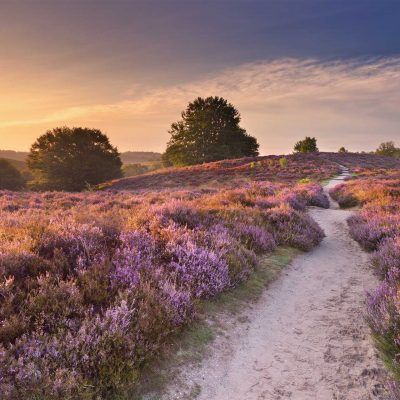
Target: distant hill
{"points": [[127, 157], [20, 165], [14, 155], [239, 172], [135, 157]]}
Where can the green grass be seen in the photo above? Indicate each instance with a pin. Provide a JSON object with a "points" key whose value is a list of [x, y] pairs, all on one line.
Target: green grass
{"points": [[191, 345]]}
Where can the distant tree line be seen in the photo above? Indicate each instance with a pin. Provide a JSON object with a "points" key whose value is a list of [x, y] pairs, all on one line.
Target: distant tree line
{"points": [[74, 159]]}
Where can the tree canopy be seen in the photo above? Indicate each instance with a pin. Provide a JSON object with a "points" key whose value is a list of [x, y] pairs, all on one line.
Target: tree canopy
{"points": [[10, 177], [72, 159], [388, 149], [208, 131], [343, 150], [308, 145]]}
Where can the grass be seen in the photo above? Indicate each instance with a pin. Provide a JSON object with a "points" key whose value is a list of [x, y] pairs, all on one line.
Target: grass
{"points": [[191, 346]]}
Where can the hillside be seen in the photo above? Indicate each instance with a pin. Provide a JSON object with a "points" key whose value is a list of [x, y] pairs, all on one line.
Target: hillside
{"points": [[127, 157], [134, 157], [20, 165], [13, 155], [230, 173]]}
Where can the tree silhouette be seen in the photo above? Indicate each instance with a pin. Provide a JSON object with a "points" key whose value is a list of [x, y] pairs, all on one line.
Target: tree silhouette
{"points": [[308, 145], [73, 159], [208, 131]]}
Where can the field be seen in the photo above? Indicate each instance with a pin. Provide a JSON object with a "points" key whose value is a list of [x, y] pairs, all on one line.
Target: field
{"points": [[93, 284], [234, 173]]}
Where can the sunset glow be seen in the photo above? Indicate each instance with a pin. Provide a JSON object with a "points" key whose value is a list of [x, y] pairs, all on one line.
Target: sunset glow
{"points": [[127, 71]]}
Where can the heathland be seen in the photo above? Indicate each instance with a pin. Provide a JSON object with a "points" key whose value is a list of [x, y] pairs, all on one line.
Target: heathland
{"points": [[94, 284]]}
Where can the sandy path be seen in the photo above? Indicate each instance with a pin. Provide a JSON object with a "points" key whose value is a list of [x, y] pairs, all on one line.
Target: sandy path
{"points": [[306, 337]]}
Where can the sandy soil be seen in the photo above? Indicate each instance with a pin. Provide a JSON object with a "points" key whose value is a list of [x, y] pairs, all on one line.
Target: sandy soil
{"points": [[305, 339]]}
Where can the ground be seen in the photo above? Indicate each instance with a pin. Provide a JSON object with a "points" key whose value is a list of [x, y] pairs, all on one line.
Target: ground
{"points": [[305, 338]]}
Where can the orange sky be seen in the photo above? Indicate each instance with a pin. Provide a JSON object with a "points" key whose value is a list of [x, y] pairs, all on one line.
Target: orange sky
{"points": [[341, 103], [129, 69]]}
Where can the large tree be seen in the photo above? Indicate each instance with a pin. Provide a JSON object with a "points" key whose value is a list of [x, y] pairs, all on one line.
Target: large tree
{"points": [[308, 145], [10, 177], [208, 131], [72, 159]]}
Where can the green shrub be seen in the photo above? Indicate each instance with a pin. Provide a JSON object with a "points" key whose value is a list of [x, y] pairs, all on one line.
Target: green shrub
{"points": [[10, 177], [283, 162]]}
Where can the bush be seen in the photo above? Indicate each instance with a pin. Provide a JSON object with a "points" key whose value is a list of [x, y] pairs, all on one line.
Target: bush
{"points": [[92, 284], [283, 162], [377, 228], [10, 177]]}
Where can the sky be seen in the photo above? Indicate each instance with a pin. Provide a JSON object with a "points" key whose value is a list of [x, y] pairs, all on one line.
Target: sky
{"points": [[323, 68]]}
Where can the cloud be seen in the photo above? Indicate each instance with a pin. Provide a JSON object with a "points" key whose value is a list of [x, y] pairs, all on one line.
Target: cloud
{"points": [[353, 102]]}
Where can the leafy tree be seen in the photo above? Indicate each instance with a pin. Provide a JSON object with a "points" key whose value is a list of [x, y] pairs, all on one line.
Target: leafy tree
{"points": [[343, 150], [10, 177], [388, 149], [308, 145], [72, 159], [208, 131]]}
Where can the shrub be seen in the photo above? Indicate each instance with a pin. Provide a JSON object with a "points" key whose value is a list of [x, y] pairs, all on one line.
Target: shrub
{"points": [[377, 228], [283, 162], [10, 177], [92, 284]]}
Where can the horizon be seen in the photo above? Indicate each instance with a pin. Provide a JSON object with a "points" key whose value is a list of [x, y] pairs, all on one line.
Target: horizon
{"points": [[292, 69]]}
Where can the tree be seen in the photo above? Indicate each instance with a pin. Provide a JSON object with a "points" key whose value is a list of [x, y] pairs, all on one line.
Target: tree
{"points": [[308, 145], [343, 150], [209, 131], [72, 159], [10, 177], [388, 149]]}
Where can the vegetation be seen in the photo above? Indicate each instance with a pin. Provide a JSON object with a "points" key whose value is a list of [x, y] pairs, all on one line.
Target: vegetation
{"points": [[92, 284], [343, 150], [73, 159], [377, 228], [283, 162], [308, 145], [10, 177], [233, 173], [140, 157], [388, 149], [209, 131]]}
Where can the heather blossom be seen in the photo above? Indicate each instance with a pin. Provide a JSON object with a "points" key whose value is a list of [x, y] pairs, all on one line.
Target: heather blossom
{"points": [[92, 284]]}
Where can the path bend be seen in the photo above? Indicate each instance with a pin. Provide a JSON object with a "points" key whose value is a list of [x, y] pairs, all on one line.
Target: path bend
{"points": [[306, 338]]}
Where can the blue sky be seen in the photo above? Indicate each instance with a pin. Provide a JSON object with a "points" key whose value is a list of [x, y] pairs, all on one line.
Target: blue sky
{"points": [[103, 64]]}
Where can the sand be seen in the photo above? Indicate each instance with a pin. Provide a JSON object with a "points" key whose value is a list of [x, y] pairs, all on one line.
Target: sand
{"points": [[306, 338]]}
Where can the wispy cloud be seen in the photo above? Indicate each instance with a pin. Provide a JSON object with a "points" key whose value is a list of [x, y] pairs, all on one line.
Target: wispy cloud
{"points": [[352, 102]]}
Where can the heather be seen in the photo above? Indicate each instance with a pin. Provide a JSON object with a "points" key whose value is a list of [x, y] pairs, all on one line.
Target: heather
{"points": [[92, 284], [377, 228], [234, 173]]}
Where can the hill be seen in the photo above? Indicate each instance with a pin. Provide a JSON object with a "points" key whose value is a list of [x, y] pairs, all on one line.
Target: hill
{"points": [[231, 173], [127, 157], [20, 165], [134, 157], [14, 155]]}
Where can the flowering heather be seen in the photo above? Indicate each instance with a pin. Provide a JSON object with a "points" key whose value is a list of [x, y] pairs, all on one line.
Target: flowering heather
{"points": [[234, 173], [92, 284], [377, 228]]}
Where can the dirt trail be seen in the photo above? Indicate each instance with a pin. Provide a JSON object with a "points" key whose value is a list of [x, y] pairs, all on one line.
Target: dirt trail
{"points": [[306, 338]]}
